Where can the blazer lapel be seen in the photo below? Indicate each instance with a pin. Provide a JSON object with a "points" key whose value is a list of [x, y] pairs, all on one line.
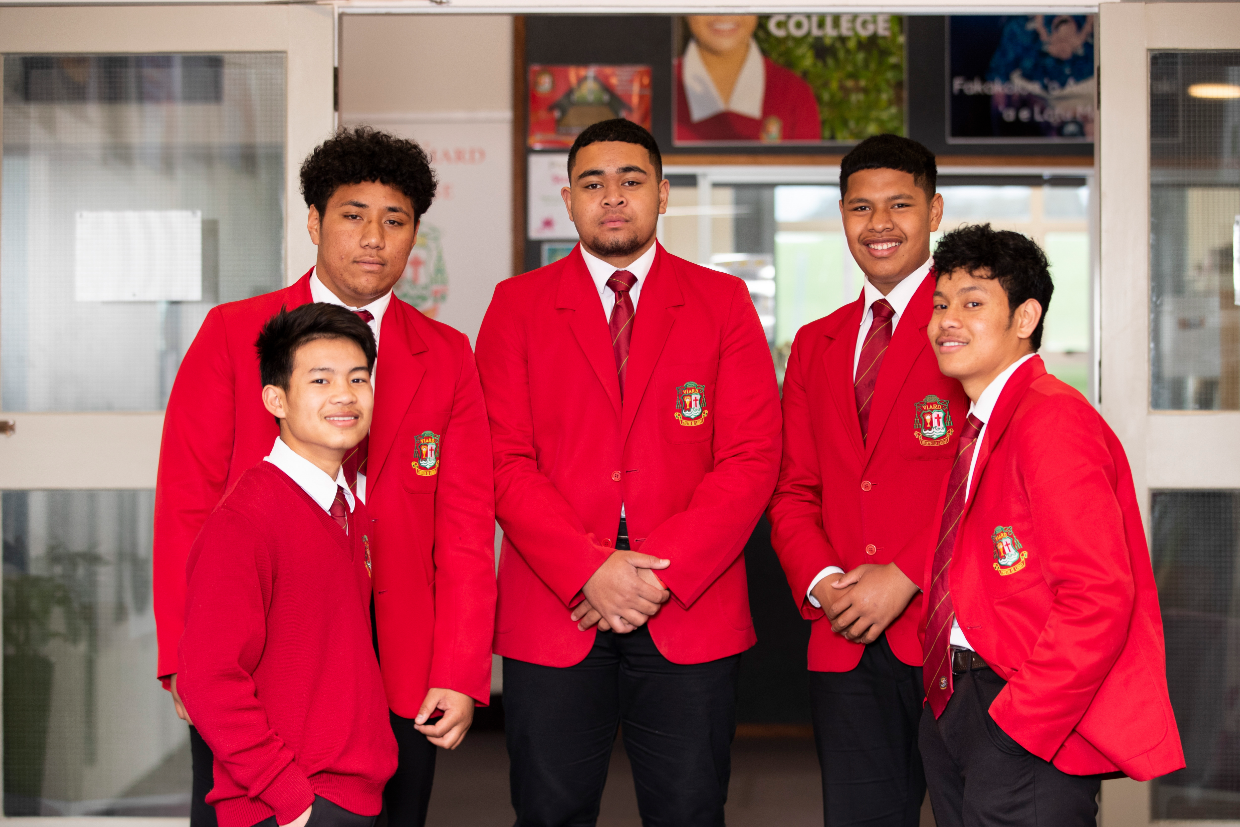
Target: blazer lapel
{"points": [[578, 293], [658, 306], [1009, 399], [299, 291], [907, 343], [402, 370], [838, 360]]}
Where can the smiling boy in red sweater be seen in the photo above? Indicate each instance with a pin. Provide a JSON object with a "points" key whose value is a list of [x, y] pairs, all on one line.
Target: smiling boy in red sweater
{"points": [[277, 668]]}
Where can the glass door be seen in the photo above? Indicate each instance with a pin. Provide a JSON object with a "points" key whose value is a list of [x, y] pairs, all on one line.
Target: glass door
{"points": [[1170, 365], [149, 156]]}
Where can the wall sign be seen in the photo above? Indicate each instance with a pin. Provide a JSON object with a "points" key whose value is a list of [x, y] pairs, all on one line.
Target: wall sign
{"points": [[566, 99]]}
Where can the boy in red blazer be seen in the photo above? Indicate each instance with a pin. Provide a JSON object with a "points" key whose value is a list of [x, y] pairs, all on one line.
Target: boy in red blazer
{"points": [[1043, 643], [424, 471], [870, 426], [635, 421], [275, 662]]}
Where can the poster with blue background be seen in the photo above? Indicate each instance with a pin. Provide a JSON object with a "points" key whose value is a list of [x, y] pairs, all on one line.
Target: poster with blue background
{"points": [[1021, 78]]}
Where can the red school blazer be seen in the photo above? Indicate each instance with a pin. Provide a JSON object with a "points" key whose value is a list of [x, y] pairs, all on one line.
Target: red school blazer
{"points": [[693, 480], [843, 503], [1063, 605], [434, 532]]}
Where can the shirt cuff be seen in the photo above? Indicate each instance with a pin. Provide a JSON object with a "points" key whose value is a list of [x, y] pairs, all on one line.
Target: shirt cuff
{"points": [[809, 593]]}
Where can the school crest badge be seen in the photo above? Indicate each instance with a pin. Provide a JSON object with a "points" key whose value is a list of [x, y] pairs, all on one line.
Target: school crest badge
{"points": [[772, 130], [691, 404], [366, 546], [933, 424], [1010, 555], [426, 463]]}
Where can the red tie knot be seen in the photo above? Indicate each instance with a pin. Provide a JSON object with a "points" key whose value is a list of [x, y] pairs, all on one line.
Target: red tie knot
{"points": [[972, 427], [365, 315], [883, 311], [621, 281]]}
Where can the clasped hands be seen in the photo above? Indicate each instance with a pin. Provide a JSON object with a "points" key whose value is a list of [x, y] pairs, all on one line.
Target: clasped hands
{"points": [[623, 593], [862, 603]]}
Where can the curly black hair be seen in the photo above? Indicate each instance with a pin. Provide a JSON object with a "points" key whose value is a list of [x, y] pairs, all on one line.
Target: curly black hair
{"points": [[1015, 260], [285, 332], [359, 154]]}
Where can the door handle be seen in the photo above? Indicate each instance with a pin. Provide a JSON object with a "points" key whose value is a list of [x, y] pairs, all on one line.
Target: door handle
{"points": [[8, 427]]}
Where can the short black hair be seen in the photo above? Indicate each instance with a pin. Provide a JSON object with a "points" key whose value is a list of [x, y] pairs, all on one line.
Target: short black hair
{"points": [[617, 129], [287, 331], [892, 152], [1015, 260], [361, 154]]}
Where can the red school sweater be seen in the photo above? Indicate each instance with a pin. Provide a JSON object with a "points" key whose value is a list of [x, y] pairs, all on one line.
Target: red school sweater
{"points": [[277, 670]]}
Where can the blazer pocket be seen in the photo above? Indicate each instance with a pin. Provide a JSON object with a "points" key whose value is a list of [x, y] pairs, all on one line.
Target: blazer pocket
{"points": [[685, 401]]}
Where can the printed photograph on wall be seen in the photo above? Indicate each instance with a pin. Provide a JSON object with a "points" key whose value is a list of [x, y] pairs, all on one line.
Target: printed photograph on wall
{"points": [[787, 78], [1021, 78], [566, 99]]}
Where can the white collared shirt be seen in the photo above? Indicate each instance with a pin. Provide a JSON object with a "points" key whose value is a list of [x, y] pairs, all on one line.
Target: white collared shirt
{"points": [[319, 292], [702, 96], [310, 477], [601, 271], [898, 298], [983, 408]]}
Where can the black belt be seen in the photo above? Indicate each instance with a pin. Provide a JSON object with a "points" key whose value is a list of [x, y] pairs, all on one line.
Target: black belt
{"points": [[966, 660], [622, 536]]}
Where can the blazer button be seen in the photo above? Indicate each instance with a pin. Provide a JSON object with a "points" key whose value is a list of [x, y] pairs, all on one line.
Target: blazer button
{"points": [[865, 485], [871, 549], [606, 542], [615, 476]]}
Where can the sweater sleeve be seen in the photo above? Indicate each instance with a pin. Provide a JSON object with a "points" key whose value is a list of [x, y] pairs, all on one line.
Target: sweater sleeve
{"points": [[228, 590]]}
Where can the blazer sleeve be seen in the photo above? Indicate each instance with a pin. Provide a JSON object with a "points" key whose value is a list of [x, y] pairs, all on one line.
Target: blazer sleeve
{"points": [[706, 538], [795, 512], [229, 587], [1069, 481], [541, 524], [464, 552], [194, 457]]}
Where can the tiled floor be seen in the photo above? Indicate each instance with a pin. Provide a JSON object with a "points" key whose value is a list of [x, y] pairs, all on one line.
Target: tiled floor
{"points": [[775, 781]]}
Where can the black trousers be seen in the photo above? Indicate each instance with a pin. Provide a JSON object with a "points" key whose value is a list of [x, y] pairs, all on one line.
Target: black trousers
{"points": [[678, 721], [865, 728], [980, 777], [405, 798], [326, 813]]}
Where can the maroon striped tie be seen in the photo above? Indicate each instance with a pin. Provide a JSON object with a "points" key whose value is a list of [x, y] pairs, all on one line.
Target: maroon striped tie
{"points": [[340, 510], [937, 665], [876, 342], [621, 321], [355, 461]]}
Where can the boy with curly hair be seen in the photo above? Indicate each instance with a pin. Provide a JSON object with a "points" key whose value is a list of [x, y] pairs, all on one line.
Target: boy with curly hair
{"points": [[424, 470]]}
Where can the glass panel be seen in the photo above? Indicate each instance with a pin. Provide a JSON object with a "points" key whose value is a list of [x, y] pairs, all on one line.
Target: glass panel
{"points": [[1196, 542], [138, 192], [1194, 220], [87, 728]]}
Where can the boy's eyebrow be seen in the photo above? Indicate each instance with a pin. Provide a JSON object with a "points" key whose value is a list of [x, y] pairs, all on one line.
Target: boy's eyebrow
{"points": [[363, 206], [625, 170], [860, 199]]}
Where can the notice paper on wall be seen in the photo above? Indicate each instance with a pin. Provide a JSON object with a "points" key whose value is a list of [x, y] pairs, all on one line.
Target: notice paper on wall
{"points": [[546, 215], [138, 256]]}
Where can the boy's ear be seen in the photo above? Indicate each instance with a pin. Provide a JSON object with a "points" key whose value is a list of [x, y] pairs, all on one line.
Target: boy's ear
{"points": [[1027, 317], [936, 212], [275, 401]]}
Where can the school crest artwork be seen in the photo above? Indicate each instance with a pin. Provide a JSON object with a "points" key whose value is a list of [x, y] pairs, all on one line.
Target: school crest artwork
{"points": [[426, 463], [1010, 555], [933, 425], [691, 404]]}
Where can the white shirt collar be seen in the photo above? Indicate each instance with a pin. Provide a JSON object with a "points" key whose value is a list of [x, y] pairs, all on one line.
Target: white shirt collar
{"points": [[601, 271], [900, 295], [702, 96], [985, 404], [320, 487], [320, 293]]}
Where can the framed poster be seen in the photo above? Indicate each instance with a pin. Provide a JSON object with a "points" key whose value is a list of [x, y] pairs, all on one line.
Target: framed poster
{"points": [[1021, 78], [566, 99], [545, 213], [787, 78]]}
